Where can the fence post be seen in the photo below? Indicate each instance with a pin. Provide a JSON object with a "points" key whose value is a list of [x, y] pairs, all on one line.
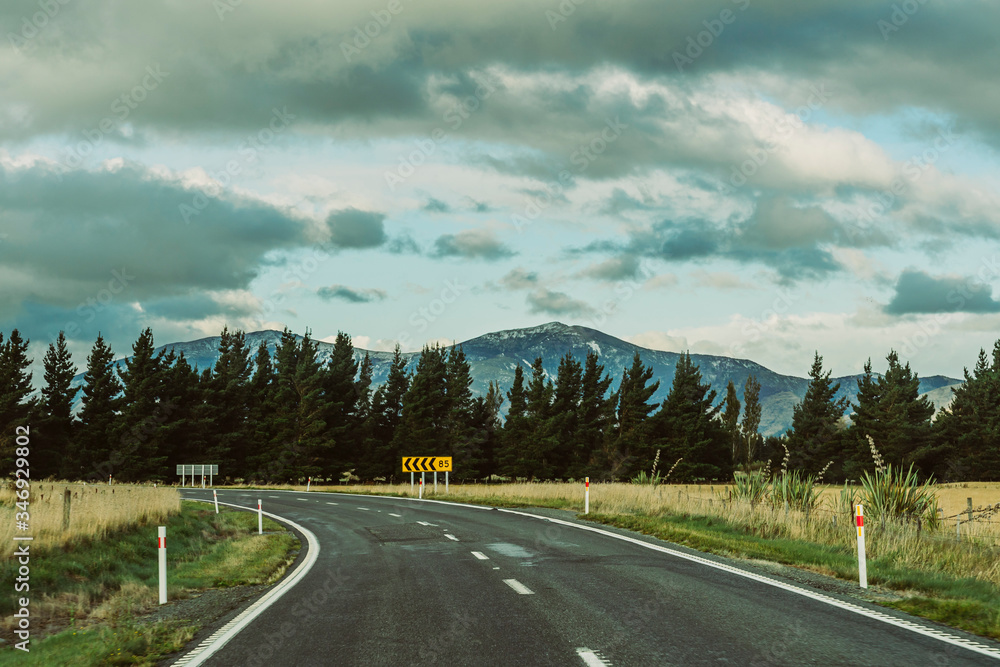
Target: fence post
{"points": [[862, 557], [66, 501], [958, 528], [969, 505], [161, 532]]}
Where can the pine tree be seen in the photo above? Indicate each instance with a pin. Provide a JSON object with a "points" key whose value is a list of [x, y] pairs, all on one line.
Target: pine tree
{"points": [[511, 460], [186, 417], [815, 437], [226, 403], [99, 415], [565, 419], [731, 422], [631, 446], [54, 432], [596, 412], [750, 426], [460, 435], [969, 428], [16, 403], [539, 442], [687, 427], [386, 413], [340, 393], [486, 431], [261, 414], [137, 442], [425, 407]]}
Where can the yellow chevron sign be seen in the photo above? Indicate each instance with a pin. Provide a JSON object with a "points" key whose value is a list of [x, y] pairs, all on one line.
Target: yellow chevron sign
{"points": [[426, 464]]}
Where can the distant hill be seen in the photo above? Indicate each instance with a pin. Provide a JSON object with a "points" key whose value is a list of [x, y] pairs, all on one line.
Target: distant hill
{"points": [[494, 356]]}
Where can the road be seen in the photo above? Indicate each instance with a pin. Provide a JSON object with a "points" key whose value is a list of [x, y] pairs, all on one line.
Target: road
{"points": [[403, 582]]}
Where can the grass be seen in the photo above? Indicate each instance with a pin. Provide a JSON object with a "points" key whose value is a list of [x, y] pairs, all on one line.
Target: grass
{"points": [[935, 575], [95, 511], [96, 587]]}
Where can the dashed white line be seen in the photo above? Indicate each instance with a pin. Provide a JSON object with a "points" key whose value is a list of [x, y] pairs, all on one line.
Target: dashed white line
{"points": [[364, 509], [305, 500], [590, 658], [518, 586], [331, 503], [274, 496], [424, 523], [398, 516], [480, 555], [451, 537]]}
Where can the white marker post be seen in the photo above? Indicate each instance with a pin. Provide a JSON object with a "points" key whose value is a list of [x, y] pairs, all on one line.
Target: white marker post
{"points": [[260, 519], [109, 480], [420, 492], [586, 497], [862, 559], [309, 481], [215, 497], [161, 533]]}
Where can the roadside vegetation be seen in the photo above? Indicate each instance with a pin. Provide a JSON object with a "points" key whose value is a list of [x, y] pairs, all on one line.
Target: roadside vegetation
{"points": [[89, 595]]}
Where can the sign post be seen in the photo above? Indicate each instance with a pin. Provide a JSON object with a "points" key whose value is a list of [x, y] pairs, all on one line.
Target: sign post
{"points": [[435, 482], [586, 497], [161, 533], [411, 482], [862, 560], [446, 482]]}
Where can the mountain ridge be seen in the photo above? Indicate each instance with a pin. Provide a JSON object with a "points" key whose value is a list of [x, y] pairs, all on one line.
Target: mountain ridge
{"points": [[494, 356]]}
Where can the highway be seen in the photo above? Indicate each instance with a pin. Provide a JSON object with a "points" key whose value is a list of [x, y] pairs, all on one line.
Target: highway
{"points": [[404, 582]]}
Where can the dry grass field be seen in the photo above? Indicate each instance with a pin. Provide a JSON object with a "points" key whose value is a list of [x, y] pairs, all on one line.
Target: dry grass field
{"points": [[93, 511]]}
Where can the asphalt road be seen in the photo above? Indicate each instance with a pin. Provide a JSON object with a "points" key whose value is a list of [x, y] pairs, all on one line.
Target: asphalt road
{"points": [[400, 582]]}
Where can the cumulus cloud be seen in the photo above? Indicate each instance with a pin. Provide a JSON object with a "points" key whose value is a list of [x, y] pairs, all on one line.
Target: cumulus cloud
{"points": [[920, 292], [471, 244], [351, 294], [351, 228], [550, 302]]}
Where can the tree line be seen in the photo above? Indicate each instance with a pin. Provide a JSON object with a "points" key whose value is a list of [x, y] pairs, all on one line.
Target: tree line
{"points": [[285, 416]]}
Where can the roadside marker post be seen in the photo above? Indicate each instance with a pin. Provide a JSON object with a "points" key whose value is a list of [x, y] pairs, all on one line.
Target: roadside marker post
{"points": [[260, 519], [109, 480], [161, 533], [420, 493], [309, 481], [586, 497], [215, 497], [862, 559]]}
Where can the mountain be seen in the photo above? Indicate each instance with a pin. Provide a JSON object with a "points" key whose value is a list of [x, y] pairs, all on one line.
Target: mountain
{"points": [[494, 356]]}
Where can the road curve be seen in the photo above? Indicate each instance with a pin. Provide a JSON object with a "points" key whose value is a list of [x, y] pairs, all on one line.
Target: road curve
{"points": [[404, 582]]}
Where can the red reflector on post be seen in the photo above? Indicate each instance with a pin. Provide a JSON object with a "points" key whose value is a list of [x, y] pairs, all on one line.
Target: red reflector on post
{"points": [[162, 542], [861, 521]]}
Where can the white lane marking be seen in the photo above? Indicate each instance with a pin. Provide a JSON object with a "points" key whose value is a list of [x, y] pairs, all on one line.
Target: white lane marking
{"points": [[451, 537], [223, 635], [518, 586], [926, 631], [398, 516], [305, 500], [364, 509], [424, 523], [331, 503], [274, 496], [496, 568], [480, 555], [590, 658]]}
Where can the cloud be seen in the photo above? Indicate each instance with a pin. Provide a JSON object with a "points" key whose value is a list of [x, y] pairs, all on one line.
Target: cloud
{"points": [[436, 206], [351, 228], [919, 292], [556, 303], [351, 294], [520, 279], [618, 268], [471, 244], [719, 280]]}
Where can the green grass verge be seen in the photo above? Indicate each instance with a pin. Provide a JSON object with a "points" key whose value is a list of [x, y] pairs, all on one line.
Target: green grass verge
{"points": [[965, 603], [120, 574]]}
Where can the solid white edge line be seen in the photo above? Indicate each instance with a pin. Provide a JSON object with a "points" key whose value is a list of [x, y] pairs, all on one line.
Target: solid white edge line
{"points": [[940, 635], [590, 658], [518, 586], [480, 555], [223, 635]]}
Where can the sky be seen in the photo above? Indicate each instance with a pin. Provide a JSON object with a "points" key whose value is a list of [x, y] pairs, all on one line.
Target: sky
{"points": [[753, 179]]}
